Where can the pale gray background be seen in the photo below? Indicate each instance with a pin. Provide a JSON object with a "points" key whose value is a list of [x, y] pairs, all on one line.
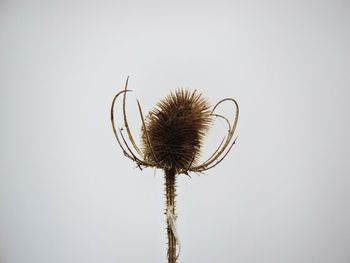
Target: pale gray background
{"points": [[68, 195]]}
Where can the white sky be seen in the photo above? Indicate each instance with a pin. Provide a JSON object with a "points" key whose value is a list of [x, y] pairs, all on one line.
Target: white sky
{"points": [[68, 195]]}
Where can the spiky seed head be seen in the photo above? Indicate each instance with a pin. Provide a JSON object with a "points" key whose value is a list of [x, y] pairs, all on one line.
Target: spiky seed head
{"points": [[175, 128]]}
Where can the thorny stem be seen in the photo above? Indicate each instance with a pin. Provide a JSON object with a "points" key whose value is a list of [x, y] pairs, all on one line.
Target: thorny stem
{"points": [[170, 184]]}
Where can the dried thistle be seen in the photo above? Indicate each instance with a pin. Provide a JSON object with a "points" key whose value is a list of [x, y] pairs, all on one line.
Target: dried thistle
{"points": [[172, 136], [175, 129]]}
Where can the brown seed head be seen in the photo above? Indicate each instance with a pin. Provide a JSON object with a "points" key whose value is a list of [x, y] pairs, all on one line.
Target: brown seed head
{"points": [[175, 128]]}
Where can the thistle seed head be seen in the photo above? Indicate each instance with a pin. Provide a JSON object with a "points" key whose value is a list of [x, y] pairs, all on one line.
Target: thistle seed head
{"points": [[175, 130]]}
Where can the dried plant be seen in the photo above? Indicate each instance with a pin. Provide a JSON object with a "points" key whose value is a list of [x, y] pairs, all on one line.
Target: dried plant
{"points": [[171, 138]]}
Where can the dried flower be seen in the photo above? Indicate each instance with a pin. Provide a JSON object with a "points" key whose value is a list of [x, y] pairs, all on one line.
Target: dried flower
{"points": [[175, 130], [172, 136]]}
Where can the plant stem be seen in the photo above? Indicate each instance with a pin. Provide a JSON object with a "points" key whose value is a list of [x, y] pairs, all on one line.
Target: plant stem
{"points": [[170, 184]]}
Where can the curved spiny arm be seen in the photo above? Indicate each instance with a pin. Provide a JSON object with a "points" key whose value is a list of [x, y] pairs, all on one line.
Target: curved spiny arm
{"points": [[126, 121], [221, 159], [224, 148], [147, 136], [127, 152]]}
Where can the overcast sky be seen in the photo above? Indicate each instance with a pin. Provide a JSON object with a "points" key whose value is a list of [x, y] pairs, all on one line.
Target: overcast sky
{"points": [[67, 193]]}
